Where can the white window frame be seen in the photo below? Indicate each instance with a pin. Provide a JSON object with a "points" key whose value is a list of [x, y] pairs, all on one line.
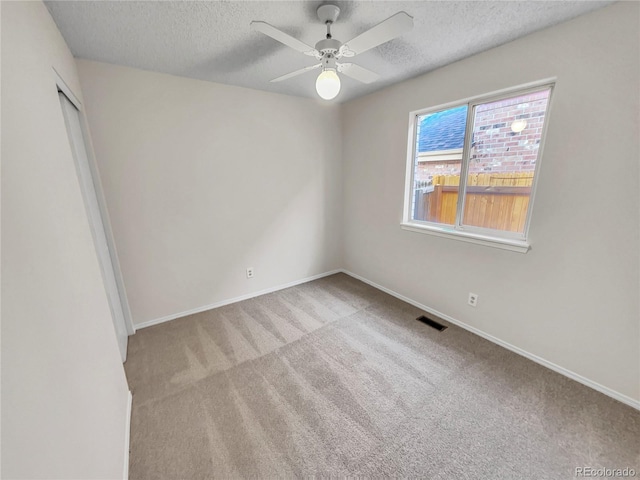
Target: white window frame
{"points": [[514, 241]]}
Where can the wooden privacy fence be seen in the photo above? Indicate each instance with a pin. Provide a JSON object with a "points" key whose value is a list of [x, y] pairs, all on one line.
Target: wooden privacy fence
{"points": [[494, 200]]}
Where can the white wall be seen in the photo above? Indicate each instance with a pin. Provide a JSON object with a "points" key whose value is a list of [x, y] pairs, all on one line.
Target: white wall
{"points": [[203, 180], [64, 393], [573, 299]]}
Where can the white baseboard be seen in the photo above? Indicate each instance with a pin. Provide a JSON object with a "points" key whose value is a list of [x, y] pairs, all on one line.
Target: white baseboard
{"points": [[552, 366], [127, 437], [222, 303]]}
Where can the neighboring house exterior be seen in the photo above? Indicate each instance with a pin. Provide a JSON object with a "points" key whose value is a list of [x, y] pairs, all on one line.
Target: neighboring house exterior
{"points": [[495, 146]]}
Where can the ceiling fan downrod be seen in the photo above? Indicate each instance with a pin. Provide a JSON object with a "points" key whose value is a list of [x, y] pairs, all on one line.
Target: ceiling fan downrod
{"points": [[328, 14]]}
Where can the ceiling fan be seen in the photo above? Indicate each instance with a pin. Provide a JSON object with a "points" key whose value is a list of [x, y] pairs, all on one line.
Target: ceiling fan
{"points": [[329, 50]]}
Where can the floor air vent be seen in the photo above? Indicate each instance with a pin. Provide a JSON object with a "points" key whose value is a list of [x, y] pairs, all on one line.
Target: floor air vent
{"points": [[431, 323]]}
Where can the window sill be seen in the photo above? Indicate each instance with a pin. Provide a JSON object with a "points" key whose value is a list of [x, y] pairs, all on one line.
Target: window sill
{"points": [[519, 246]]}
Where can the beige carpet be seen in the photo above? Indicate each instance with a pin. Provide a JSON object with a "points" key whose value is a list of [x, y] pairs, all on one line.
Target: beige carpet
{"points": [[335, 378]]}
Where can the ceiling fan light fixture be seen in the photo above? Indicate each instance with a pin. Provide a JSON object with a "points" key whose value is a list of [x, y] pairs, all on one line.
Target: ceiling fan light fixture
{"points": [[328, 84]]}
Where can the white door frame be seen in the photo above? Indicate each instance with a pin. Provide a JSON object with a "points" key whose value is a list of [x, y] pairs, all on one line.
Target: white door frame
{"points": [[103, 213]]}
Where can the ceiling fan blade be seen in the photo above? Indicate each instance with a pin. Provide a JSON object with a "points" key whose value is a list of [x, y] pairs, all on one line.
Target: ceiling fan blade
{"points": [[284, 38], [357, 72], [386, 30], [296, 73]]}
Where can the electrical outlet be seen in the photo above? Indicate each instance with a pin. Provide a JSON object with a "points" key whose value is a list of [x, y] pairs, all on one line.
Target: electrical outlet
{"points": [[473, 299], [250, 272]]}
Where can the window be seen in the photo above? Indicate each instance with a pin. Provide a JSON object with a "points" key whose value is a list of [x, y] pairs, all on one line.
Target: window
{"points": [[472, 167]]}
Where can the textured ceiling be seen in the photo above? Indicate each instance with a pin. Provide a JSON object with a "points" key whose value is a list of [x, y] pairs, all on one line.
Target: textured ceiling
{"points": [[212, 40]]}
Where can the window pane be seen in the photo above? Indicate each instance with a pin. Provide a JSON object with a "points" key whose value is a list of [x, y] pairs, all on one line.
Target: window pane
{"points": [[502, 161], [439, 142]]}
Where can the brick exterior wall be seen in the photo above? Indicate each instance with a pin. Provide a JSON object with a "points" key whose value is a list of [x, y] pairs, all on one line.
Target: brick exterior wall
{"points": [[495, 147], [428, 169]]}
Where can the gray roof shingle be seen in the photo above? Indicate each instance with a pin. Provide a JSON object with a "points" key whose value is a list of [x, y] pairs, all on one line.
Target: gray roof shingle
{"points": [[442, 130]]}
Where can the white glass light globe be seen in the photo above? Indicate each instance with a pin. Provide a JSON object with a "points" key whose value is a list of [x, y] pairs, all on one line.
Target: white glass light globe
{"points": [[328, 84]]}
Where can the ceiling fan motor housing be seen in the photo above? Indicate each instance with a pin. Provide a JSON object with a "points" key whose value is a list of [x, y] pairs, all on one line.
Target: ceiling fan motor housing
{"points": [[328, 45]]}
